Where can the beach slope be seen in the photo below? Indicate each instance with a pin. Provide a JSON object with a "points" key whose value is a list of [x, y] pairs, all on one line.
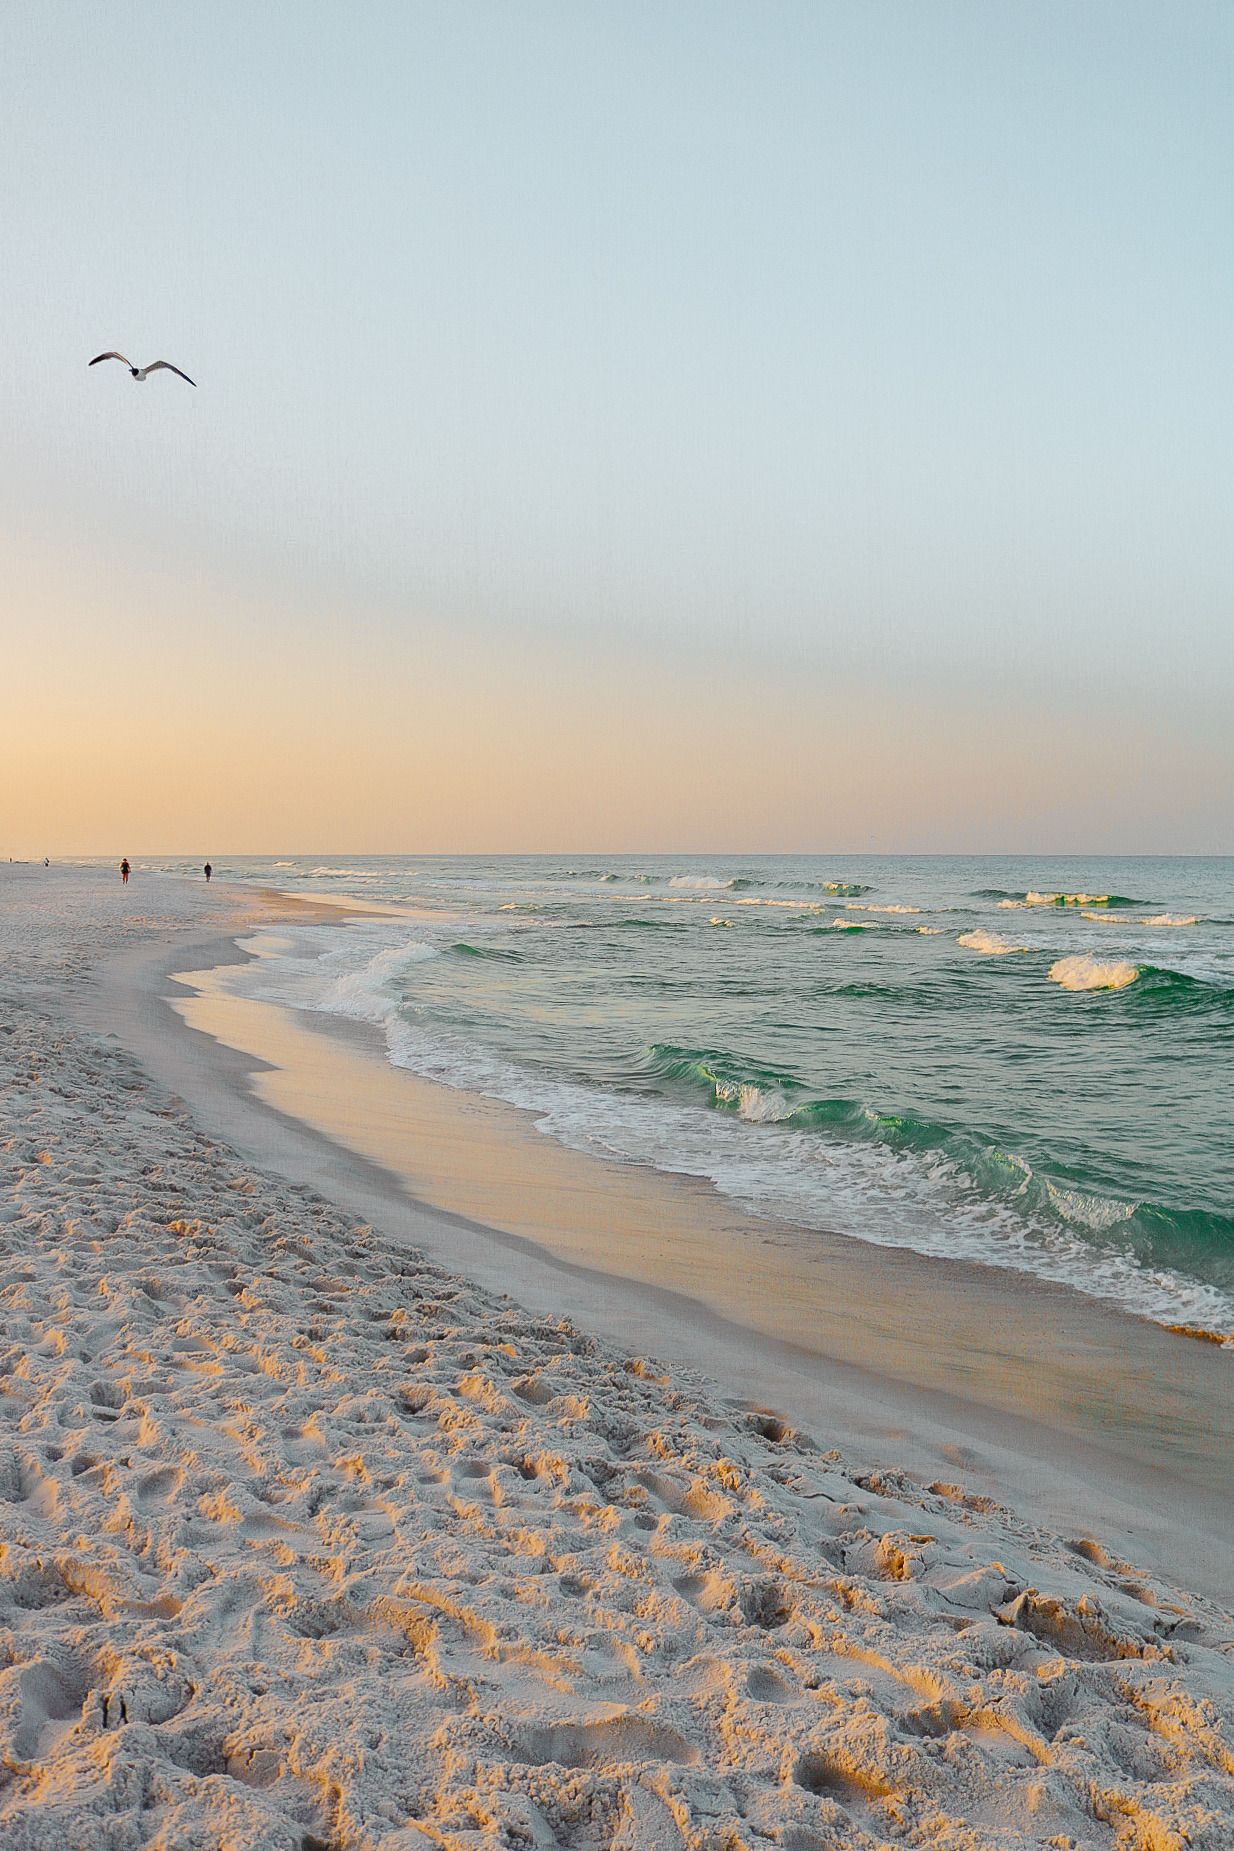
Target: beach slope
{"points": [[306, 1543]]}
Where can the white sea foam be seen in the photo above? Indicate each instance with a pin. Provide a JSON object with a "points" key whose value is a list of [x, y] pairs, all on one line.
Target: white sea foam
{"points": [[755, 1104], [1085, 973], [1153, 919], [792, 906], [1059, 899], [852, 925], [1085, 1209], [865, 906], [991, 944], [366, 993], [705, 883], [356, 974]]}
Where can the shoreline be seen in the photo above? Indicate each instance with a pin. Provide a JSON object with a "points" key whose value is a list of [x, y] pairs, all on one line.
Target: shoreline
{"points": [[474, 1184], [308, 1540]]}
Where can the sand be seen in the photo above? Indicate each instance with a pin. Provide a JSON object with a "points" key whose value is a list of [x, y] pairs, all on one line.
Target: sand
{"points": [[307, 1541]]}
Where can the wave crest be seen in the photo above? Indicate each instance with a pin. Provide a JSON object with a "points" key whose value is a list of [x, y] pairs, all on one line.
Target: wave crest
{"points": [[991, 944], [1061, 898], [894, 907], [1085, 973], [732, 1084]]}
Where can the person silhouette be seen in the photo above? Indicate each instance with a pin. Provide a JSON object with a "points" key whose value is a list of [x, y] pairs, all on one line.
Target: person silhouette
{"points": [[124, 870], [207, 871]]}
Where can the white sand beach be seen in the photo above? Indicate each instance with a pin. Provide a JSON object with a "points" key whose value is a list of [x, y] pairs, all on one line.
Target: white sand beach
{"points": [[309, 1542]]}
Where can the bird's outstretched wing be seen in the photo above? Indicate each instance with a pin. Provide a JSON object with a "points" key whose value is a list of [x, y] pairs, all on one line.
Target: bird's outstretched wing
{"points": [[111, 356], [171, 369]]}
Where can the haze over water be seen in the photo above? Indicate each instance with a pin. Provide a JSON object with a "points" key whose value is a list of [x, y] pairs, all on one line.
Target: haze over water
{"points": [[1022, 1061]]}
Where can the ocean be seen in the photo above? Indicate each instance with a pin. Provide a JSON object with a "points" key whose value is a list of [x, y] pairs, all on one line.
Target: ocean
{"points": [[1027, 1062]]}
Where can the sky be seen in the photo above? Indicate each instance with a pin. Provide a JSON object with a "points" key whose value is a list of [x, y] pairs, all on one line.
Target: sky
{"points": [[713, 426]]}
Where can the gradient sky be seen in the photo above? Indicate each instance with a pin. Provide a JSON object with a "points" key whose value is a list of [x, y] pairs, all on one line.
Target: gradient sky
{"points": [[620, 426]]}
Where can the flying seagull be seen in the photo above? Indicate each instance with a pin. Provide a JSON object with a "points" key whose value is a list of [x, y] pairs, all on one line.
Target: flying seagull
{"points": [[143, 372]]}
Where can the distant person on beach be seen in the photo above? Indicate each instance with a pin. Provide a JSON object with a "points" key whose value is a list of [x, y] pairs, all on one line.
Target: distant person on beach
{"points": [[207, 871], [124, 870], [47, 861]]}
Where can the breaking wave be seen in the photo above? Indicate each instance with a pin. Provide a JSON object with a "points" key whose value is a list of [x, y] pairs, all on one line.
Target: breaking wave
{"points": [[1033, 898], [894, 906], [992, 944], [1084, 973], [1152, 983], [972, 1170]]}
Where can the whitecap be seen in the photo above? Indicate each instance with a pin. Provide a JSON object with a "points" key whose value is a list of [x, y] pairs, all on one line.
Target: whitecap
{"points": [[753, 1103], [990, 944], [1084, 973], [1056, 899], [792, 906], [859, 906], [1066, 899]]}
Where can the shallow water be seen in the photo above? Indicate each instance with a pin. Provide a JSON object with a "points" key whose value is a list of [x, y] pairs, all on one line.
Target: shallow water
{"points": [[1023, 1061]]}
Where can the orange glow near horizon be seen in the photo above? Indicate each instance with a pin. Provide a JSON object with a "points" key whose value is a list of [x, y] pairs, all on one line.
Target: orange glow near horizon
{"points": [[123, 731]]}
